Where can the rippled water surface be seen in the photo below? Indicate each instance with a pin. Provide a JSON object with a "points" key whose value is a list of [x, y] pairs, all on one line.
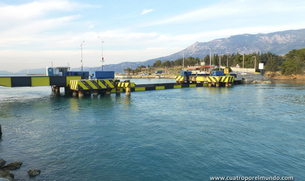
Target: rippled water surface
{"points": [[176, 134]]}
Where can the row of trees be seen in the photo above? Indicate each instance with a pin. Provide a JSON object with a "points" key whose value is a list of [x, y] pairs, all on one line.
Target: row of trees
{"points": [[247, 61], [291, 63]]}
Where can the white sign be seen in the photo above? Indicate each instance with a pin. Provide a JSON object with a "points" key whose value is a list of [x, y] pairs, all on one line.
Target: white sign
{"points": [[261, 66]]}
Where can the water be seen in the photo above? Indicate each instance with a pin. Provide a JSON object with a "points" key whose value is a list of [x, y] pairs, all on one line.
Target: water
{"points": [[176, 134]]}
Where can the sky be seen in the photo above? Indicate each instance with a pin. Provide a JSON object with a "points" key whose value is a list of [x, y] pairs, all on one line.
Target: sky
{"points": [[41, 33]]}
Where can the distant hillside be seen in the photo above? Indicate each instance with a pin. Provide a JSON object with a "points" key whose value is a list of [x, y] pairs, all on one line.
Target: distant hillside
{"points": [[5, 73], [278, 42]]}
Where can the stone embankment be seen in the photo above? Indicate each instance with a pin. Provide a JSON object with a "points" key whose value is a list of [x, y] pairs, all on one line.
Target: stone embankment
{"points": [[255, 78], [6, 175], [278, 76]]}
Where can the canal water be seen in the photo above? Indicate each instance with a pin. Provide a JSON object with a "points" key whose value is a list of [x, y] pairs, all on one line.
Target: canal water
{"points": [[175, 134]]}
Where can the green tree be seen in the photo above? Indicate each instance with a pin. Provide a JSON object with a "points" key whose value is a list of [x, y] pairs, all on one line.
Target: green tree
{"points": [[157, 63], [197, 60], [128, 70], [272, 65], [294, 63]]}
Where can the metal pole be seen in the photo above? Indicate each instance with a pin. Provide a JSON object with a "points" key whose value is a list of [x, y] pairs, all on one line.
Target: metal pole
{"points": [[102, 58], [243, 61], [227, 61], [183, 62], [81, 52], [210, 59], [254, 63], [219, 62]]}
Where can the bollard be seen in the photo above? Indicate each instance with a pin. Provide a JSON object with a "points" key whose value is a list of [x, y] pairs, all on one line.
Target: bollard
{"points": [[127, 89], [0, 131], [95, 93], [108, 91], [57, 90], [118, 90], [74, 93], [80, 94]]}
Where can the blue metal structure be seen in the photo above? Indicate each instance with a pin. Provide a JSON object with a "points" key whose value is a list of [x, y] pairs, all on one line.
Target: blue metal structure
{"points": [[103, 75]]}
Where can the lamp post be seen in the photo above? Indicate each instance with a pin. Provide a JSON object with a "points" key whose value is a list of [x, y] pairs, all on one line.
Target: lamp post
{"points": [[219, 62], [254, 63], [183, 61], [81, 56], [210, 59], [102, 58]]}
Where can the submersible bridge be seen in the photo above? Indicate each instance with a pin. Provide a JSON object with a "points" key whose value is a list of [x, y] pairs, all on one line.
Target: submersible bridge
{"points": [[79, 83]]}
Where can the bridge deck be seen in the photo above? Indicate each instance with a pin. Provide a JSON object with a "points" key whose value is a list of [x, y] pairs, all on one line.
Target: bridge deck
{"points": [[30, 81]]}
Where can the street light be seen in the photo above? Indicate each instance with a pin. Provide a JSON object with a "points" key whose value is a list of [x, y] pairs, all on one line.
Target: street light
{"points": [[81, 55], [183, 61], [102, 58], [210, 59], [254, 63]]}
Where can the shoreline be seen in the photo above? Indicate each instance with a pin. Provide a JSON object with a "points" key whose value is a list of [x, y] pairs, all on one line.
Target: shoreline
{"points": [[288, 77], [278, 76]]}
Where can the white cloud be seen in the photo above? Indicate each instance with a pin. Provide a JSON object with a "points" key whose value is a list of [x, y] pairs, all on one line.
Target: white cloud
{"points": [[145, 11], [91, 58], [37, 33], [233, 9], [35, 9]]}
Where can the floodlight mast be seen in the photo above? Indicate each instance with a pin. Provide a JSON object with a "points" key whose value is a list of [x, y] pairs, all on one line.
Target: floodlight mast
{"points": [[81, 54]]}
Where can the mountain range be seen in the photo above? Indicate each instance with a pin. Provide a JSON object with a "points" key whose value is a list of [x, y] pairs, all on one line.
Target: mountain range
{"points": [[277, 42]]}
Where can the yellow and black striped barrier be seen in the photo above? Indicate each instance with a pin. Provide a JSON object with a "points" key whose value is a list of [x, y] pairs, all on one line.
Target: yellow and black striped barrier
{"points": [[179, 78], [213, 79], [28, 81], [220, 79], [96, 84], [148, 87], [225, 79], [125, 84]]}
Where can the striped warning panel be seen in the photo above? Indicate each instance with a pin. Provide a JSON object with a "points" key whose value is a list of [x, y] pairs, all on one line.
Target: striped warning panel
{"points": [[179, 78], [232, 79], [91, 84], [226, 79], [213, 79], [28, 81], [126, 84], [108, 83]]}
